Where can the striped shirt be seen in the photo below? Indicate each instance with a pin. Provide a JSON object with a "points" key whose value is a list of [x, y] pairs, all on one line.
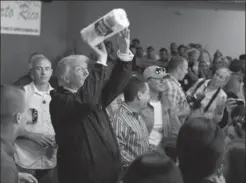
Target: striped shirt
{"points": [[132, 134]]}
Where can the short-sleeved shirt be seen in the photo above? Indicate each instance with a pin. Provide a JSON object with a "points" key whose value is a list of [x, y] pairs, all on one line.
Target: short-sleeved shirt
{"points": [[9, 172], [29, 154]]}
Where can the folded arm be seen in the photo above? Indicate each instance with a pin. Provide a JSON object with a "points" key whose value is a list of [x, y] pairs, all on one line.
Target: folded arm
{"points": [[119, 78]]}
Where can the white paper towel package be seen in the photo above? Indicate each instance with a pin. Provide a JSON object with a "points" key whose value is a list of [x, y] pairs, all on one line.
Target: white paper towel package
{"points": [[105, 27]]}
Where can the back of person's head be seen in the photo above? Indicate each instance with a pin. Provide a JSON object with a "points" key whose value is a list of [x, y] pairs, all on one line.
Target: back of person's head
{"points": [[200, 146], [153, 167], [236, 65], [135, 85], [163, 50], [234, 162], [13, 102], [175, 63], [181, 47], [242, 57], [150, 49], [169, 146]]}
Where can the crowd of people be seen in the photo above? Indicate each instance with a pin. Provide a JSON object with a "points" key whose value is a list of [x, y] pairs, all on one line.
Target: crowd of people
{"points": [[126, 116]]}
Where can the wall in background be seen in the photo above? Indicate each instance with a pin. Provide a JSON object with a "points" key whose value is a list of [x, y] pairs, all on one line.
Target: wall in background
{"points": [[16, 49], [155, 23], [159, 23]]}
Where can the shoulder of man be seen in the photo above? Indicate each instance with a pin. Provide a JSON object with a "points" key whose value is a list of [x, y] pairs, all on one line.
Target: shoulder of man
{"points": [[9, 173]]}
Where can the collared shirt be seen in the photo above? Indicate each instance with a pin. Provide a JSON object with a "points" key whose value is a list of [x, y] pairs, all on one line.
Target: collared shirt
{"points": [[174, 98], [114, 106], [131, 133], [31, 155], [9, 172], [69, 89], [216, 108]]}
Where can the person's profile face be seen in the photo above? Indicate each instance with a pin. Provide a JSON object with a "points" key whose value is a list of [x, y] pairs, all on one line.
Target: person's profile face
{"points": [[25, 115], [78, 74], [42, 71], [144, 96]]}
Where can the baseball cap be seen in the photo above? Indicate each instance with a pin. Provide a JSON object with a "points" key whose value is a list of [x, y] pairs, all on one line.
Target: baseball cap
{"points": [[154, 71]]}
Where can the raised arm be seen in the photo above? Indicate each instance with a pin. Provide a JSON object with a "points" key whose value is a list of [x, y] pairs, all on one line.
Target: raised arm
{"points": [[121, 73]]}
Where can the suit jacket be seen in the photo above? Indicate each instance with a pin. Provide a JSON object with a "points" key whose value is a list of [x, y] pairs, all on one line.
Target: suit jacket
{"points": [[88, 150]]}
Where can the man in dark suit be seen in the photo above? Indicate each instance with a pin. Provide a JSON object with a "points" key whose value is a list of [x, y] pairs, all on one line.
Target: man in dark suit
{"points": [[88, 151]]}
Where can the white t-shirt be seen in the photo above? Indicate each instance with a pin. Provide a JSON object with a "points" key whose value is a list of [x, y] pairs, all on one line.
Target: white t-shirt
{"points": [[156, 133]]}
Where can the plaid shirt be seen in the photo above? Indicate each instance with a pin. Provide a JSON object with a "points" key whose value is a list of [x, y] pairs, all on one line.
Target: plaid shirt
{"points": [[174, 98], [132, 134]]}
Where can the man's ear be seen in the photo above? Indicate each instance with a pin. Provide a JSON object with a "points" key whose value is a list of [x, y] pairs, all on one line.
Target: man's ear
{"points": [[31, 71], [139, 95]]}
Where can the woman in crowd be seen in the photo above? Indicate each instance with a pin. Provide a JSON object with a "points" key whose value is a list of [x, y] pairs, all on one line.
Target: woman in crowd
{"points": [[234, 163]]}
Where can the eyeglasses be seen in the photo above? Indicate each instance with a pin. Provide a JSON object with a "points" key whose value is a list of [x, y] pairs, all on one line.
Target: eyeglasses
{"points": [[160, 70]]}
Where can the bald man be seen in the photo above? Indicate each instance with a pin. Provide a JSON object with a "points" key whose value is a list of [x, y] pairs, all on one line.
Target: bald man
{"points": [[28, 78], [88, 150], [36, 150], [14, 116]]}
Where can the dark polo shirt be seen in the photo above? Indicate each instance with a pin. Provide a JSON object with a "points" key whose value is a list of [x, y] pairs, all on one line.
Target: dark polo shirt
{"points": [[9, 172]]}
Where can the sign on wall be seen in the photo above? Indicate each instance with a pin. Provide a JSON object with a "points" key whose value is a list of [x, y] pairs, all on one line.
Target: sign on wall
{"points": [[21, 17]]}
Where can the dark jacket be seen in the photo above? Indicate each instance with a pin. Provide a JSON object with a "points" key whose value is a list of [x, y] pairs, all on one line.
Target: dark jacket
{"points": [[88, 151]]}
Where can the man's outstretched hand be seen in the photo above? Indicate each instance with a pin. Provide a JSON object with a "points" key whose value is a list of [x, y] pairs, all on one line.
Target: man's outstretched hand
{"points": [[123, 41]]}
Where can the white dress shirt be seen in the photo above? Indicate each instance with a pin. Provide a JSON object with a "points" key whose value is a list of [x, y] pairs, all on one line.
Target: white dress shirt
{"points": [[29, 154]]}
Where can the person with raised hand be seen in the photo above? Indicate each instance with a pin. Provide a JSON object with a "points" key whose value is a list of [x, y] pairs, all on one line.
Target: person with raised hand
{"points": [[88, 150]]}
